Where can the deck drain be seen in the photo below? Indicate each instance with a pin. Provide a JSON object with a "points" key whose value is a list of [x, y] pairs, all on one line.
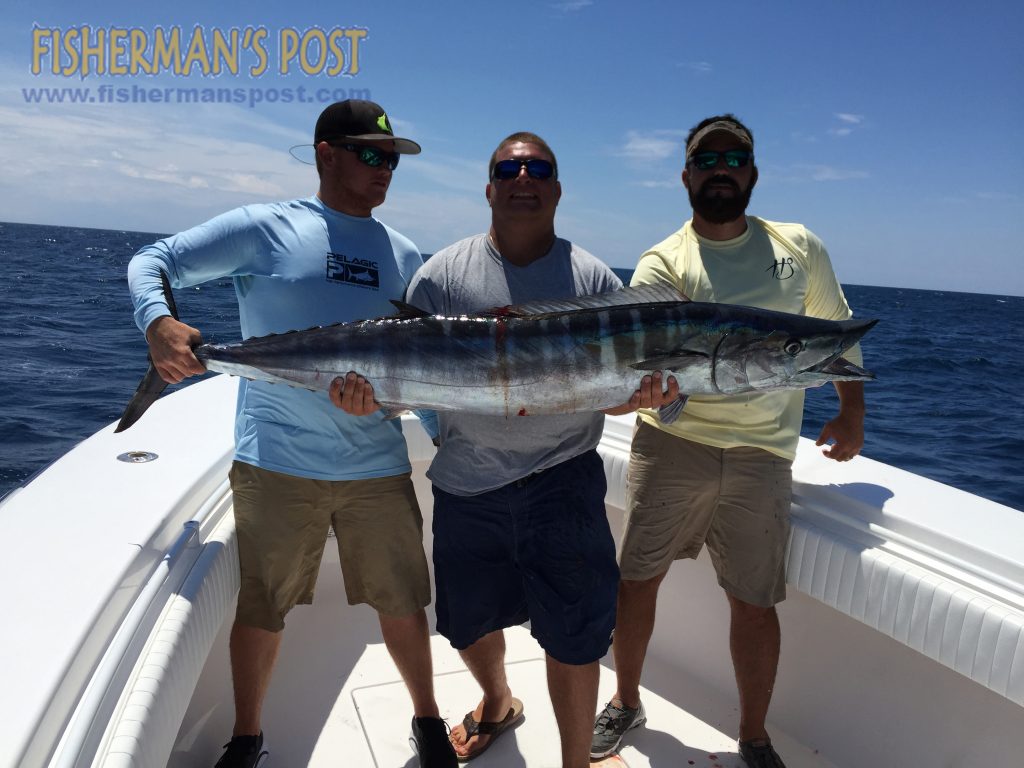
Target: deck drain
{"points": [[137, 457]]}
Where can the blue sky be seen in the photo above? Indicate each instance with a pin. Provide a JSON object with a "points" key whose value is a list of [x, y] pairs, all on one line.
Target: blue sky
{"points": [[891, 129]]}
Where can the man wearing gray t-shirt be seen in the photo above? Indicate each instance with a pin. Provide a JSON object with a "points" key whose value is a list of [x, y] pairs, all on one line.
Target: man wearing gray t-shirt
{"points": [[520, 531]]}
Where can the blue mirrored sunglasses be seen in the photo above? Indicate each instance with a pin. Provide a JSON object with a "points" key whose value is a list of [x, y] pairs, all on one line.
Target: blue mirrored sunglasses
{"points": [[372, 156], [509, 169], [734, 158]]}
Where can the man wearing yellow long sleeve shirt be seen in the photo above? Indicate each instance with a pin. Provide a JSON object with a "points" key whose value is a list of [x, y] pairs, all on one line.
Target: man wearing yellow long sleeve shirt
{"points": [[721, 474]]}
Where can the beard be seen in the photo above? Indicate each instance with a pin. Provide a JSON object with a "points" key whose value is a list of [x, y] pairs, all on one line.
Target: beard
{"points": [[719, 209]]}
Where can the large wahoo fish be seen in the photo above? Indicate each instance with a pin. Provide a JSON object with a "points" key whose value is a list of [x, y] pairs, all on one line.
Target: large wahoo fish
{"points": [[578, 354]]}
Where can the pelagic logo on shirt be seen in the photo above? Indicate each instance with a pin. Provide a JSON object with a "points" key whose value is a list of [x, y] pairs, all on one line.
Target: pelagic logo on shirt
{"points": [[354, 271]]}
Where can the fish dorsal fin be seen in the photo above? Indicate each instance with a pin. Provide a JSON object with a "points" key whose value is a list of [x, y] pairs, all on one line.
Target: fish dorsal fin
{"points": [[405, 312], [659, 293], [408, 311]]}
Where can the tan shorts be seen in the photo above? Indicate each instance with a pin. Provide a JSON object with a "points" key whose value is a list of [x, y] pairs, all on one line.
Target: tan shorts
{"points": [[682, 495], [282, 525]]}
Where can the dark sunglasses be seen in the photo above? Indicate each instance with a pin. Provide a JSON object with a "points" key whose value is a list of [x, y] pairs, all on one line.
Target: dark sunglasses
{"points": [[509, 169], [734, 158], [372, 156]]}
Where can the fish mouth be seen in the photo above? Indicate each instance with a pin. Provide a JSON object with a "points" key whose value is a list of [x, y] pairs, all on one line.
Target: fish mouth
{"points": [[840, 369]]}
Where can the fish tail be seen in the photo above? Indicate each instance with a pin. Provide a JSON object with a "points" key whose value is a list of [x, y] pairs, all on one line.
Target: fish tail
{"points": [[152, 384], [150, 389]]}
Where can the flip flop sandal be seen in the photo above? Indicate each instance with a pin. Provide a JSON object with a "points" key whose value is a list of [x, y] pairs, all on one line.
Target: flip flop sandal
{"points": [[492, 728]]}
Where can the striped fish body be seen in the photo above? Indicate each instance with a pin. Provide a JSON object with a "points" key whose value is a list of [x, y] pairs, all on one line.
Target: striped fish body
{"points": [[582, 354]]}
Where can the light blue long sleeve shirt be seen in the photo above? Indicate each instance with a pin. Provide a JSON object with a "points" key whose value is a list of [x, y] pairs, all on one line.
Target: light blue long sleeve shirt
{"points": [[294, 265]]}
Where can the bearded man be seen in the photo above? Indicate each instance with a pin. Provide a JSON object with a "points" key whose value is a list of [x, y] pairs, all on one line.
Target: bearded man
{"points": [[721, 474]]}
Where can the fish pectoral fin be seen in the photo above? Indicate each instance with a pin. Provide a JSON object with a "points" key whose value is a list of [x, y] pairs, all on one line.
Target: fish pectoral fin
{"points": [[670, 412], [671, 361], [393, 410], [408, 311]]}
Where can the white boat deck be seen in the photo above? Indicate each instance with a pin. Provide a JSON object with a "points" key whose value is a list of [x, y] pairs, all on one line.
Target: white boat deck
{"points": [[337, 699]]}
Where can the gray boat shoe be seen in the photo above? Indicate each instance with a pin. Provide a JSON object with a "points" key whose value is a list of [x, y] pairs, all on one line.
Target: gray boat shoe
{"points": [[611, 725]]}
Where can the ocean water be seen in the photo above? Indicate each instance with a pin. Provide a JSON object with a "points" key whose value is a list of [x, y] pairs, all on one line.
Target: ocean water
{"points": [[947, 403]]}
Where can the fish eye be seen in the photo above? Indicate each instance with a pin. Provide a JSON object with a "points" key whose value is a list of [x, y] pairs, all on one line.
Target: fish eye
{"points": [[793, 347]]}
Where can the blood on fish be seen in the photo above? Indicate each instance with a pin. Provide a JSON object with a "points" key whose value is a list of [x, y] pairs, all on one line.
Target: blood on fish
{"points": [[522, 411]]}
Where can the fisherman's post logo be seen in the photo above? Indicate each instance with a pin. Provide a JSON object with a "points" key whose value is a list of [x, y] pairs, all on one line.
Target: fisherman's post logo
{"points": [[112, 51], [201, 58]]}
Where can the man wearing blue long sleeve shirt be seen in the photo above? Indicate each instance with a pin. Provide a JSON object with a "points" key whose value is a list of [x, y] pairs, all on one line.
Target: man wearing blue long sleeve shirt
{"points": [[302, 465]]}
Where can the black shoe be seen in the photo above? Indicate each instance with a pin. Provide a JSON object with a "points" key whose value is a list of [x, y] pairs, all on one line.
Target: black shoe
{"points": [[243, 752], [759, 753], [432, 745]]}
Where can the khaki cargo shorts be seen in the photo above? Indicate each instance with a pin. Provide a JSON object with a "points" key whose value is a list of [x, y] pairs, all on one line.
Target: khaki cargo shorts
{"points": [[282, 525], [682, 495]]}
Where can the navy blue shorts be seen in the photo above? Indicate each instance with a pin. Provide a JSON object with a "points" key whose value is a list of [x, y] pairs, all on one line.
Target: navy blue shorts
{"points": [[538, 549]]}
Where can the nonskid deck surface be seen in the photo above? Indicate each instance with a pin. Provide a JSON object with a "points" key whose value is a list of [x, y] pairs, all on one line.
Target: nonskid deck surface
{"points": [[358, 714], [336, 699], [671, 737]]}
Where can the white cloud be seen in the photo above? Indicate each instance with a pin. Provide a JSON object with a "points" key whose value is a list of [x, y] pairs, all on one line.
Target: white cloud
{"points": [[995, 196], [571, 6], [115, 166], [659, 184], [701, 67], [829, 173], [804, 173], [158, 168], [849, 123], [652, 146]]}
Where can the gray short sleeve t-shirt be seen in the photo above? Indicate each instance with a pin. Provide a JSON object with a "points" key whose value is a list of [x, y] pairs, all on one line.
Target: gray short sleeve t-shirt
{"points": [[481, 453]]}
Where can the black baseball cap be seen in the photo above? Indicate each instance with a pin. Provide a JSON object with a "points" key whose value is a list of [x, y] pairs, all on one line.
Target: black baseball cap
{"points": [[356, 119]]}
